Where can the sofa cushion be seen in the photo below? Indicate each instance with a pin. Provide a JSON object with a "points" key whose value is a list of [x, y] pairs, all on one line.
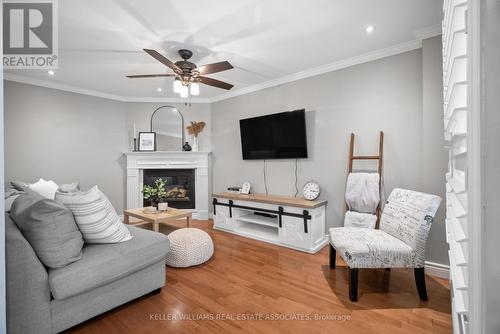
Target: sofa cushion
{"points": [[104, 263], [10, 196], [45, 188], [49, 227], [27, 286], [95, 216], [69, 187], [20, 185], [9, 201]]}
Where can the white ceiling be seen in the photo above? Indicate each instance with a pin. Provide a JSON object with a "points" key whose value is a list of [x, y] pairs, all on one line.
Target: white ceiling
{"points": [[100, 41]]}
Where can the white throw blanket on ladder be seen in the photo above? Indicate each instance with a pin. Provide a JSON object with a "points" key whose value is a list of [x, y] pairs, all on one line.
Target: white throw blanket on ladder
{"points": [[362, 196]]}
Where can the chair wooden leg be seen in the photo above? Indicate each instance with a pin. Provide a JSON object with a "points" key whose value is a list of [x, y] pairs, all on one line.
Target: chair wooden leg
{"points": [[333, 257], [420, 281], [353, 284]]}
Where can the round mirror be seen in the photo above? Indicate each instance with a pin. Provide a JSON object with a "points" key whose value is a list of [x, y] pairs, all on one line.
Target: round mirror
{"points": [[168, 124]]}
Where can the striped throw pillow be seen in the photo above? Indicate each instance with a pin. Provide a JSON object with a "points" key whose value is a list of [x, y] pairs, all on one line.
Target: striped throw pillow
{"points": [[95, 216]]}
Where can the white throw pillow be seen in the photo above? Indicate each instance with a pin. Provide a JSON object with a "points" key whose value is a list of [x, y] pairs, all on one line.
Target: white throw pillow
{"points": [[45, 188], [95, 216]]}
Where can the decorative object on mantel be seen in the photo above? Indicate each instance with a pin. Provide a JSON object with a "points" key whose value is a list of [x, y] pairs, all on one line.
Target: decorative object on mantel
{"points": [[157, 193], [195, 129], [135, 140], [168, 123], [186, 147], [147, 141]]}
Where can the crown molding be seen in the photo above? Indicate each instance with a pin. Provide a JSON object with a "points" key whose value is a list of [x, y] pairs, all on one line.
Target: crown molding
{"points": [[428, 32], [344, 63], [79, 90], [356, 60]]}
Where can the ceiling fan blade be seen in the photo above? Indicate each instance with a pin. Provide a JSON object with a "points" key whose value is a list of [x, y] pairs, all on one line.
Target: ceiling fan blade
{"points": [[215, 83], [151, 76], [156, 55], [214, 68]]}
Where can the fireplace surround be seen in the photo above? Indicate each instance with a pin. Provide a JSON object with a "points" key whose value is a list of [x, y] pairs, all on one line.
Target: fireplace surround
{"points": [[144, 165]]}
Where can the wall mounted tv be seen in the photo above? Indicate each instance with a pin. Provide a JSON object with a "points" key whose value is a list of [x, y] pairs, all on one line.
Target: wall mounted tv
{"points": [[275, 136]]}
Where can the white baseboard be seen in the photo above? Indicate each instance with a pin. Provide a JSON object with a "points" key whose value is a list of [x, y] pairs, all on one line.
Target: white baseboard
{"points": [[437, 269]]}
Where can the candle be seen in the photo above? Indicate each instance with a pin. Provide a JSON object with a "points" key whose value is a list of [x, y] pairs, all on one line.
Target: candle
{"points": [[163, 206], [134, 131]]}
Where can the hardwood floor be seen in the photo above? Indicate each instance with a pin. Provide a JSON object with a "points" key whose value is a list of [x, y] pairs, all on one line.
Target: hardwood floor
{"points": [[252, 279]]}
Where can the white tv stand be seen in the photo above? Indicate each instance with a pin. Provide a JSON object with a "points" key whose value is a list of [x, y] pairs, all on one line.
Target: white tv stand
{"points": [[286, 221]]}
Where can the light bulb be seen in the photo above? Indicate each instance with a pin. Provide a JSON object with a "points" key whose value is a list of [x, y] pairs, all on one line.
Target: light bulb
{"points": [[369, 29], [195, 88], [177, 85], [184, 91]]}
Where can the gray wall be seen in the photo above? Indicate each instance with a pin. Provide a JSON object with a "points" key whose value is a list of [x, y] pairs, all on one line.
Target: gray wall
{"points": [[385, 94], [70, 137], [491, 138], [434, 155], [65, 137]]}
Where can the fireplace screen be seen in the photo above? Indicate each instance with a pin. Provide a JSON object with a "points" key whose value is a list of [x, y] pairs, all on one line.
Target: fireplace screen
{"points": [[179, 188]]}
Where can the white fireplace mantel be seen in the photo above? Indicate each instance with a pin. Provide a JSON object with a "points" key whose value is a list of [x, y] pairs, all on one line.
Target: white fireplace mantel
{"points": [[137, 162]]}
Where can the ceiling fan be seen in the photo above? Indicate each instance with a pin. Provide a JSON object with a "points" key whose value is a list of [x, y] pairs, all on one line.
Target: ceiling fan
{"points": [[187, 74]]}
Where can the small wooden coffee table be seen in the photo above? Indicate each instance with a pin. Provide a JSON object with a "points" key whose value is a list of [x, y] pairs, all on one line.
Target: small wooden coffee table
{"points": [[156, 218]]}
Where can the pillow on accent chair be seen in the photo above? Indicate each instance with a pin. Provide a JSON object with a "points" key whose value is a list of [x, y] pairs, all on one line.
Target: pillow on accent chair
{"points": [[95, 216], [49, 227], [45, 188]]}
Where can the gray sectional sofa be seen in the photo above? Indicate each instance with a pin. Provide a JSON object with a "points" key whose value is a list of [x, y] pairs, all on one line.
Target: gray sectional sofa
{"points": [[41, 300]]}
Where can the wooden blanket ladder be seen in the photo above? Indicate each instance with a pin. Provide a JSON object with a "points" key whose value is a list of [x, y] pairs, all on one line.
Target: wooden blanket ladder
{"points": [[379, 158]]}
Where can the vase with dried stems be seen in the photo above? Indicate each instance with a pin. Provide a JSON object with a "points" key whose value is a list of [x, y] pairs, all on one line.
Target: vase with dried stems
{"points": [[194, 129]]}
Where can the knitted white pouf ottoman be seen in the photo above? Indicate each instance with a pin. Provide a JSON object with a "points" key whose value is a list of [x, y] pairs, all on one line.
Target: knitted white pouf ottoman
{"points": [[189, 247]]}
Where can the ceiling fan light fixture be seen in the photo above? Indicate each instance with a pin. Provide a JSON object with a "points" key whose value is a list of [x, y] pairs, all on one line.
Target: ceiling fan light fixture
{"points": [[177, 85], [186, 73], [195, 89], [184, 91]]}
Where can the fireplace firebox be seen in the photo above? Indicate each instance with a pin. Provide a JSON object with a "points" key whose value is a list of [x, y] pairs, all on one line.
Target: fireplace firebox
{"points": [[180, 186]]}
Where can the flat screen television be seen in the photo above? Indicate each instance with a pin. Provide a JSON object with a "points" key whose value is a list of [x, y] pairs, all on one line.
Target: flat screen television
{"points": [[275, 136]]}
